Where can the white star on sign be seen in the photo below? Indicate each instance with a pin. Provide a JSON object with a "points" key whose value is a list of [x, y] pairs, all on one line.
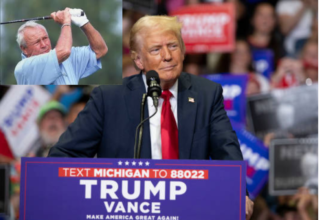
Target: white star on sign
{"points": [[120, 163], [126, 163], [140, 163], [133, 163], [147, 163]]}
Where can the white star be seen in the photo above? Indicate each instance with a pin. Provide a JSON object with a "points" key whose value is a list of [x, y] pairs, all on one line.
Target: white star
{"points": [[140, 163], [147, 163], [126, 163], [133, 163], [120, 163]]}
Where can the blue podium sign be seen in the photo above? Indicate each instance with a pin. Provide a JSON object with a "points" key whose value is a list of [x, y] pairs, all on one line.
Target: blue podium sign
{"points": [[76, 188]]}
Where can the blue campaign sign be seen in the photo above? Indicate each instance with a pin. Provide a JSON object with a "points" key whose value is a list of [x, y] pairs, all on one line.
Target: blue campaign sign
{"points": [[234, 87], [257, 157], [263, 61], [80, 188]]}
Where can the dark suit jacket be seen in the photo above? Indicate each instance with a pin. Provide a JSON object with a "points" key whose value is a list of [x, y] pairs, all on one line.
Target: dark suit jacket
{"points": [[106, 126]]}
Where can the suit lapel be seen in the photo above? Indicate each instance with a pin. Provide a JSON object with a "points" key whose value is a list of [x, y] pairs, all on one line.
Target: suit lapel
{"points": [[133, 97], [187, 107]]}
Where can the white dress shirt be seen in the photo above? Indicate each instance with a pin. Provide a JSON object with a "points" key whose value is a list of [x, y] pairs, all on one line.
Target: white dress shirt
{"points": [[154, 122]]}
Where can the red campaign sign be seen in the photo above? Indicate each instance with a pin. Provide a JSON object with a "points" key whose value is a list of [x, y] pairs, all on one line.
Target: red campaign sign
{"points": [[208, 27]]}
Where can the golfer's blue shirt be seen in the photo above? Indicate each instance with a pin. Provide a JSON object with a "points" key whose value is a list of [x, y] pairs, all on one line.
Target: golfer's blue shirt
{"points": [[44, 69]]}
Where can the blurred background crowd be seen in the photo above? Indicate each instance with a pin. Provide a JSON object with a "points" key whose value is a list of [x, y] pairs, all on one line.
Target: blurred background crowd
{"points": [[275, 52], [288, 29]]}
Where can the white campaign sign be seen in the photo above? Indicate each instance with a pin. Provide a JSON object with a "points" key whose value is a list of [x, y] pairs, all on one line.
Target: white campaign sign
{"points": [[19, 111]]}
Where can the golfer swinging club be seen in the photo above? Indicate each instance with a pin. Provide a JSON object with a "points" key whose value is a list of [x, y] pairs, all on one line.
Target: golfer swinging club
{"points": [[63, 65]]}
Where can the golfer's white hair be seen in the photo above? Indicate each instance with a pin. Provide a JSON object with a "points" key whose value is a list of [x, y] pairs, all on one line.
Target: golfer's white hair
{"points": [[20, 33]]}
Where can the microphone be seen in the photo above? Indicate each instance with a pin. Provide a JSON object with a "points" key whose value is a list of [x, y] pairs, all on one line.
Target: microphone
{"points": [[154, 90]]}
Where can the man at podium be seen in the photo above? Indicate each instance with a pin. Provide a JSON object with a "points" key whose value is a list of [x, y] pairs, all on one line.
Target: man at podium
{"points": [[190, 123]]}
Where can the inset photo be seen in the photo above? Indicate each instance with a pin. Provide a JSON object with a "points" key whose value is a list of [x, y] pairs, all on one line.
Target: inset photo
{"points": [[61, 42]]}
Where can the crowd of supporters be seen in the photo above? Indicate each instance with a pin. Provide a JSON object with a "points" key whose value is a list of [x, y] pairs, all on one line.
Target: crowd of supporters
{"points": [[286, 29]]}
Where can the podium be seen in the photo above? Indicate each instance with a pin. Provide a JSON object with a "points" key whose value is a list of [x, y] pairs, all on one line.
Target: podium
{"points": [[139, 189]]}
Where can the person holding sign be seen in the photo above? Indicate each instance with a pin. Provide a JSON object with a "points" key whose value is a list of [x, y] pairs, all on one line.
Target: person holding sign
{"points": [[191, 122]]}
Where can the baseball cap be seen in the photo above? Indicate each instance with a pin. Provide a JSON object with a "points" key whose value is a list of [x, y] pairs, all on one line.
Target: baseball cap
{"points": [[52, 105]]}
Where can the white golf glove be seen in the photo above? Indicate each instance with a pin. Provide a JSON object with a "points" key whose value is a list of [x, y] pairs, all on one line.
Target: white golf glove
{"points": [[78, 19]]}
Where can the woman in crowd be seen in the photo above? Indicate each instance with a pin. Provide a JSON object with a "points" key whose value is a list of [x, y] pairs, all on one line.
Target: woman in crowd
{"points": [[293, 72], [239, 62], [264, 35]]}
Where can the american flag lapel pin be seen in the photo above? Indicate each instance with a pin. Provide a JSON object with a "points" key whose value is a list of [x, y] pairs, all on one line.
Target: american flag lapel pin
{"points": [[192, 100]]}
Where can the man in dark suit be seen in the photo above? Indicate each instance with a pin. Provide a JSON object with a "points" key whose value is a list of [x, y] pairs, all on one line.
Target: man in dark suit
{"points": [[200, 126]]}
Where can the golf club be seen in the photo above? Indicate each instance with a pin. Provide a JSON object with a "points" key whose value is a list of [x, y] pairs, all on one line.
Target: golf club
{"points": [[36, 19]]}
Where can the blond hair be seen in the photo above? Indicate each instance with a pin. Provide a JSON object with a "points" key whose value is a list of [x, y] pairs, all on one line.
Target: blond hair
{"points": [[146, 23]]}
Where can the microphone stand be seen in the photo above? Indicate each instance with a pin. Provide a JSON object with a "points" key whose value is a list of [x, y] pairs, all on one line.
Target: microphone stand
{"points": [[137, 152]]}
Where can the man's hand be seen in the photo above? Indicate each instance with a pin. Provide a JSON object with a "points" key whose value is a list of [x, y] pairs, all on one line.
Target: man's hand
{"points": [[78, 19], [304, 199], [248, 207], [62, 17], [64, 43]]}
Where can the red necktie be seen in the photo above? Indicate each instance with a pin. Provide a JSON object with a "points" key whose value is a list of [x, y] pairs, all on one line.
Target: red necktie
{"points": [[169, 129]]}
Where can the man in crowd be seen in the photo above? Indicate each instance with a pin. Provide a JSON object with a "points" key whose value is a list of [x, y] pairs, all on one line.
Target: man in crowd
{"points": [[51, 123], [42, 65], [191, 122]]}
